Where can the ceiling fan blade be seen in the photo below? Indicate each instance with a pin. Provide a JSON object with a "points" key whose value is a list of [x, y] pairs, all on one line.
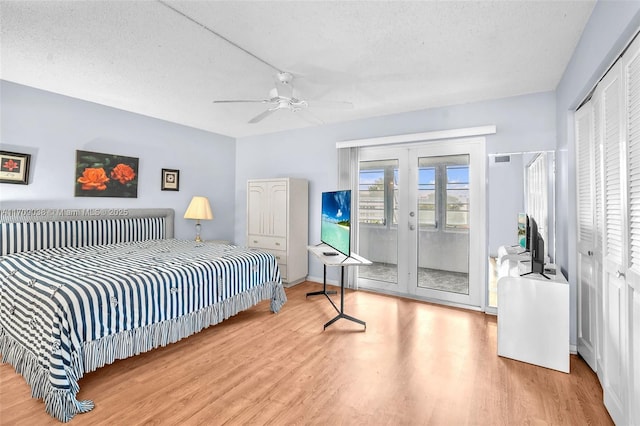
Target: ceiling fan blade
{"points": [[330, 104], [262, 115], [262, 101], [307, 116]]}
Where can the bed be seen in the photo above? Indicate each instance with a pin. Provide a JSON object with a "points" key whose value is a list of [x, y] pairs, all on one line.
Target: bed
{"points": [[81, 289]]}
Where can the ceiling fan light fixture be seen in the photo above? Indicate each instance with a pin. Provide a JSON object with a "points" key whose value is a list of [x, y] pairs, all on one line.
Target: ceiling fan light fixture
{"points": [[284, 96]]}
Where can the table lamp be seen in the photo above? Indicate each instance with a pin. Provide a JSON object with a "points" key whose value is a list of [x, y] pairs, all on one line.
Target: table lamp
{"points": [[199, 209]]}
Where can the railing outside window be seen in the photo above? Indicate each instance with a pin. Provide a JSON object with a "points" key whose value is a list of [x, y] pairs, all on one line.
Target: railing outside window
{"points": [[443, 192], [378, 192], [427, 197], [457, 213]]}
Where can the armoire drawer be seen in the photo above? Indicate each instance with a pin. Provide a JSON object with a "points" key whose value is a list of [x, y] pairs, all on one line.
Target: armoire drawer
{"points": [[283, 272], [281, 256], [270, 243]]}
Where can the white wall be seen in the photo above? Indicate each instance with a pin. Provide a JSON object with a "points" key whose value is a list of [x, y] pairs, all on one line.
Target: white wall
{"points": [[52, 127], [608, 30], [524, 123]]}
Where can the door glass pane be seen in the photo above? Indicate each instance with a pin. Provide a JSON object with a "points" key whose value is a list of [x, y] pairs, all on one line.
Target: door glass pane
{"points": [[427, 196], [378, 219], [371, 195], [443, 198], [457, 197]]}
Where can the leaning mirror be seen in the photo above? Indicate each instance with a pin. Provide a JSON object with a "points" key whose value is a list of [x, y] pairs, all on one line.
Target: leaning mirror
{"points": [[522, 182]]}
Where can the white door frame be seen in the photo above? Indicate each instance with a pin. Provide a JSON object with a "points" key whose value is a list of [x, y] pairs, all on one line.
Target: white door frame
{"points": [[475, 148], [407, 282]]}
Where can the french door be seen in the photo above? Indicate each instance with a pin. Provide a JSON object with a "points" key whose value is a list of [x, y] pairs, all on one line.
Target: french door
{"points": [[421, 220]]}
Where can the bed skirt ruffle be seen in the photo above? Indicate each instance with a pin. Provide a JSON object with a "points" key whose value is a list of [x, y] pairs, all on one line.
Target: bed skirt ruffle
{"points": [[62, 403]]}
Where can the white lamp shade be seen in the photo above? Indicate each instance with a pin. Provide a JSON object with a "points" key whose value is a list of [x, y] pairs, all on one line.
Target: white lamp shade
{"points": [[199, 208]]}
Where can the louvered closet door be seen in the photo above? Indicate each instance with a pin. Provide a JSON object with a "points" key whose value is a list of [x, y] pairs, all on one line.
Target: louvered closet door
{"points": [[585, 183], [598, 241], [631, 67], [615, 344]]}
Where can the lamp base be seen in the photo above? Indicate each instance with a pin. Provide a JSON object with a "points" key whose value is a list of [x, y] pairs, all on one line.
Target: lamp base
{"points": [[198, 239]]}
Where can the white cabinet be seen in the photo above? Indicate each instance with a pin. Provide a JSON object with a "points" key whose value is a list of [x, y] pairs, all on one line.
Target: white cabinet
{"points": [[278, 221], [533, 316]]}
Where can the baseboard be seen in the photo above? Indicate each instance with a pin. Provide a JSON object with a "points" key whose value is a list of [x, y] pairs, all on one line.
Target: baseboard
{"points": [[292, 283], [319, 280], [573, 349], [491, 310]]}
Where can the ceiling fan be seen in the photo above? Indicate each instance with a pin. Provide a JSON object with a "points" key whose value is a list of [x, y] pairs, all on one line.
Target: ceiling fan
{"points": [[282, 96]]}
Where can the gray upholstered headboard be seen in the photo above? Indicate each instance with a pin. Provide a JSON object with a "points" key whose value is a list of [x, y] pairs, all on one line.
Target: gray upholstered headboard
{"points": [[35, 229]]}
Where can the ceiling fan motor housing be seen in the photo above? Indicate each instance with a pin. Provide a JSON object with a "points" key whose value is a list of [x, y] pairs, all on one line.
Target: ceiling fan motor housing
{"points": [[285, 77]]}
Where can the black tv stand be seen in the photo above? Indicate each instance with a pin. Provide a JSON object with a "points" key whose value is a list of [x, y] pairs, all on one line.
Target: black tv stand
{"points": [[324, 287], [541, 273]]}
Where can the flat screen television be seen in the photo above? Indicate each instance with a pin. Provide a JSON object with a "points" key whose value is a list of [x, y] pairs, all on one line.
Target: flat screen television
{"points": [[523, 227], [536, 246], [335, 228]]}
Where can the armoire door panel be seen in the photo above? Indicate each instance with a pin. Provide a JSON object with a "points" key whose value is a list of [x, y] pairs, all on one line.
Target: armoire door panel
{"points": [[256, 202], [278, 213]]}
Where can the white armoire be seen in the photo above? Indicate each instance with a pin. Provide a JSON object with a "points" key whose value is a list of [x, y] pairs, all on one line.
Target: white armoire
{"points": [[278, 222]]}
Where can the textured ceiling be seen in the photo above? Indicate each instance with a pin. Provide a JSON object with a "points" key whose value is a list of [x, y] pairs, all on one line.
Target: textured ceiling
{"points": [[384, 57]]}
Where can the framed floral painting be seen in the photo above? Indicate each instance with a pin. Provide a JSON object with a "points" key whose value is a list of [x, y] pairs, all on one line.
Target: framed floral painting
{"points": [[106, 175], [14, 167], [170, 180]]}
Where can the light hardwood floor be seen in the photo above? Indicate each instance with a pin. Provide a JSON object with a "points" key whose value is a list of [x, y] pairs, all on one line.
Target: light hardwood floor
{"points": [[416, 364]]}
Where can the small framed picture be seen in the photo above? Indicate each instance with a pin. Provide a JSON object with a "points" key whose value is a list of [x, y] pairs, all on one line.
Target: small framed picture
{"points": [[170, 180], [14, 167]]}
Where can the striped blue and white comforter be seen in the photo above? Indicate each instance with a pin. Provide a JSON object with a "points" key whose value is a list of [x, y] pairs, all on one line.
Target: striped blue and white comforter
{"points": [[67, 311]]}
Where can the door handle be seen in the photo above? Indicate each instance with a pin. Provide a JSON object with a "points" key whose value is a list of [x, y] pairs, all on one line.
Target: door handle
{"points": [[412, 227], [620, 274], [590, 253]]}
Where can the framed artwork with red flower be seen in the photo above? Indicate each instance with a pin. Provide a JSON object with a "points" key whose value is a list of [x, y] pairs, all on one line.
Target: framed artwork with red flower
{"points": [[106, 175], [14, 167]]}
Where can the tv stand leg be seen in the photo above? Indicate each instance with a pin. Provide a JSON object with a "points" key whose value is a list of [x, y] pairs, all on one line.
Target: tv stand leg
{"points": [[540, 273], [341, 313], [347, 317], [324, 286]]}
